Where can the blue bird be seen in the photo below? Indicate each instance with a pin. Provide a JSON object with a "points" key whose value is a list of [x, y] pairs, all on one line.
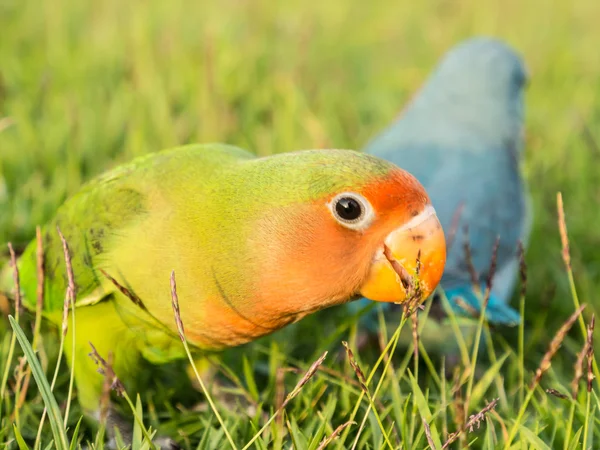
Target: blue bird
{"points": [[462, 137]]}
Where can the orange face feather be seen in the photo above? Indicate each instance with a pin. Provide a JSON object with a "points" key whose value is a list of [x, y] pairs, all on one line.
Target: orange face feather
{"points": [[305, 260], [318, 262]]}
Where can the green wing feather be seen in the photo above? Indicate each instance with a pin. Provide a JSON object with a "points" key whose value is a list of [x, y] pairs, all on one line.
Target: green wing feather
{"points": [[97, 215], [88, 220]]}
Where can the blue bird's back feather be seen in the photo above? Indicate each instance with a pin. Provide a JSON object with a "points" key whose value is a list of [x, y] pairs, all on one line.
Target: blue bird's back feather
{"points": [[461, 137]]}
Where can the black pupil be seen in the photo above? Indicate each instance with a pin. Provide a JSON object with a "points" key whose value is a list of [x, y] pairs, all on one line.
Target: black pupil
{"points": [[348, 208]]}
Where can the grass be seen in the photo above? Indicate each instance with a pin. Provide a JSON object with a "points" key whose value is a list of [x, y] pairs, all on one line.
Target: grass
{"points": [[85, 86]]}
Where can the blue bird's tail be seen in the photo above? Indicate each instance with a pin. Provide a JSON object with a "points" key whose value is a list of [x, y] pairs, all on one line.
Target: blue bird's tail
{"points": [[462, 298]]}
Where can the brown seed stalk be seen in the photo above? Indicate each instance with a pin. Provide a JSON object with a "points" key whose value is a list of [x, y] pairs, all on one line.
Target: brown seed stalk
{"points": [[175, 304], [106, 369], [335, 434], [466, 307], [579, 366], [562, 228], [130, 295], [305, 379], [106, 388], [469, 260], [357, 370], [70, 295], [555, 345], [490, 278], [414, 319], [428, 435], [474, 421], [590, 353], [402, 273], [458, 404]]}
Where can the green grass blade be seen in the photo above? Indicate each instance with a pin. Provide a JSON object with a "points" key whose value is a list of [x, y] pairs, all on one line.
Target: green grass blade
{"points": [[136, 439], [20, 441], [575, 441], [486, 380], [54, 415], [533, 439], [76, 434], [424, 411]]}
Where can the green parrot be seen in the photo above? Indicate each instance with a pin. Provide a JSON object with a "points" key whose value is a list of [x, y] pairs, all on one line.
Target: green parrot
{"points": [[256, 243]]}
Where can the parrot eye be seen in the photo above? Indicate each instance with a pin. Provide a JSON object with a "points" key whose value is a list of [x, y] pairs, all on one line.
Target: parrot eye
{"points": [[352, 210]]}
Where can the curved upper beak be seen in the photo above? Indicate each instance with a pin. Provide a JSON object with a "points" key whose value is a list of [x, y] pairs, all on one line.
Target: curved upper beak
{"points": [[410, 261]]}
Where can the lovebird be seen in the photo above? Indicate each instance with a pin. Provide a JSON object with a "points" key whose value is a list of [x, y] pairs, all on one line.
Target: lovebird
{"points": [[462, 137], [255, 243]]}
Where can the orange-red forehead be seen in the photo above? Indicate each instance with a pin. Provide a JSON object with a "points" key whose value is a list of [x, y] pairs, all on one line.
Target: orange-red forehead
{"points": [[399, 194]]}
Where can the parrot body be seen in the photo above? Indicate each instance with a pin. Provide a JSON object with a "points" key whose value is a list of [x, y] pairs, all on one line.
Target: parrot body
{"points": [[248, 259], [461, 136]]}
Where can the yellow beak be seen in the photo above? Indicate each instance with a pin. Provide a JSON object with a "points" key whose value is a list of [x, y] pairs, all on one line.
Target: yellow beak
{"points": [[393, 275]]}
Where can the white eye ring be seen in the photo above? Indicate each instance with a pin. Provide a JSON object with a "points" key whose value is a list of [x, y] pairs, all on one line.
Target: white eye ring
{"points": [[351, 210]]}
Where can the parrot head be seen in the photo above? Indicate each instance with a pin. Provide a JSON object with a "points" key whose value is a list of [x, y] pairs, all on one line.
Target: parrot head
{"points": [[356, 226]]}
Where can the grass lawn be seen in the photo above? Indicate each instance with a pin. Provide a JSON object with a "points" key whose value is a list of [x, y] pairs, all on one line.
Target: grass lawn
{"points": [[85, 86]]}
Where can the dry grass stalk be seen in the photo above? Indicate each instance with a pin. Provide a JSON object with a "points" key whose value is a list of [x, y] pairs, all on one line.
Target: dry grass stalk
{"points": [[279, 392], [590, 353], [19, 371], [458, 404], [107, 370], [307, 376], [428, 435], [175, 305], [405, 278], [491, 273], [106, 388], [555, 345], [556, 394], [325, 442], [20, 378], [362, 380], [469, 260], [70, 295], [305, 379], [579, 364], [466, 307], [411, 284], [130, 295], [474, 422], [414, 319], [562, 228], [181, 331]]}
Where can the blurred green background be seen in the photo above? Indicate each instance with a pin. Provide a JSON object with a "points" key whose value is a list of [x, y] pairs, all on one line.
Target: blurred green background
{"points": [[85, 86]]}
